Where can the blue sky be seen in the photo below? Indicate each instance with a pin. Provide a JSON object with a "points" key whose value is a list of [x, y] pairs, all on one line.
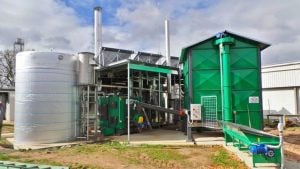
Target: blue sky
{"points": [[67, 25], [84, 10]]}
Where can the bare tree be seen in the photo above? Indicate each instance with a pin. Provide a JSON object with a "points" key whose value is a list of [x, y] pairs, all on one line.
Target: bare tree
{"points": [[7, 68]]}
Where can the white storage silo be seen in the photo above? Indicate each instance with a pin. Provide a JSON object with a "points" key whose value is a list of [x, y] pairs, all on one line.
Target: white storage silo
{"points": [[45, 98]]}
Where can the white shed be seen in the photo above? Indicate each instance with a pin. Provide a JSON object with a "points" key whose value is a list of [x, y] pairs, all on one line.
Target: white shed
{"points": [[7, 96], [281, 85]]}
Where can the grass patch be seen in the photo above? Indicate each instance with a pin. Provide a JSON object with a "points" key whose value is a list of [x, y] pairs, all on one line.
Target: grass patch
{"points": [[115, 145], [222, 158], [93, 148], [4, 157], [162, 154], [143, 156]]}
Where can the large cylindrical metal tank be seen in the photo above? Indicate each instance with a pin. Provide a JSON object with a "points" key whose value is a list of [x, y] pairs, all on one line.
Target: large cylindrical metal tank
{"points": [[45, 98], [85, 69]]}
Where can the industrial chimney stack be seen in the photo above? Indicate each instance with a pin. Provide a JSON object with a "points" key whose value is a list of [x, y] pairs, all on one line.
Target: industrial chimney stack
{"points": [[98, 35]]}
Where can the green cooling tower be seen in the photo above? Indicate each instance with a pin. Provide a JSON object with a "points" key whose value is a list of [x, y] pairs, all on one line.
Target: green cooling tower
{"points": [[223, 74]]}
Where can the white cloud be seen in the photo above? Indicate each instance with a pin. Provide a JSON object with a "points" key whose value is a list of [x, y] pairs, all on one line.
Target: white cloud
{"points": [[44, 25], [270, 21], [139, 25]]}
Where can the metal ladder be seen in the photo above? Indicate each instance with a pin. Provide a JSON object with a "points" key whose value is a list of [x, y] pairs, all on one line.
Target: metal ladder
{"points": [[88, 116]]}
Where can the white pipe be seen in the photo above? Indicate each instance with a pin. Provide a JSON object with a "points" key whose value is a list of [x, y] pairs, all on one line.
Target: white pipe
{"points": [[280, 145], [221, 73], [128, 103], [188, 117], [165, 95], [167, 36], [274, 147], [280, 128], [97, 34]]}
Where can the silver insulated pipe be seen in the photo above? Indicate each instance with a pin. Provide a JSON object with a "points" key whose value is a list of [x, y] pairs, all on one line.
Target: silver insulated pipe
{"points": [[98, 34], [168, 60]]}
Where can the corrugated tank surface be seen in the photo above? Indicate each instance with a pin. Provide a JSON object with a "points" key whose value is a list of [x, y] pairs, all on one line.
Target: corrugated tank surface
{"points": [[45, 97]]}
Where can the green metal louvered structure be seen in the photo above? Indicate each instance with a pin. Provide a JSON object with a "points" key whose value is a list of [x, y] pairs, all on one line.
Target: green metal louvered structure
{"points": [[228, 67]]}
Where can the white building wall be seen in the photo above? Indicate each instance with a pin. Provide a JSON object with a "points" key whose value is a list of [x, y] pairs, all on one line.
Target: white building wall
{"points": [[10, 107], [281, 75], [279, 101], [281, 88]]}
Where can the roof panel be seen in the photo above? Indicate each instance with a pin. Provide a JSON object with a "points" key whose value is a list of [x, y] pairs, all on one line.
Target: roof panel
{"points": [[147, 57], [111, 55], [184, 50]]}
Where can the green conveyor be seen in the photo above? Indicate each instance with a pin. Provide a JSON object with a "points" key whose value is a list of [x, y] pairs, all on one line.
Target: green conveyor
{"points": [[243, 137]]}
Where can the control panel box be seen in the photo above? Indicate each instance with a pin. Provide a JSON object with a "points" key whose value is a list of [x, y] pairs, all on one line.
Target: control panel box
{"points": [[195, 111]]}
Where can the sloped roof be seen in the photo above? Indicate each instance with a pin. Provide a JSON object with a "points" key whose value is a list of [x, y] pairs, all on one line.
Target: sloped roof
{"points": [[262, 45]]}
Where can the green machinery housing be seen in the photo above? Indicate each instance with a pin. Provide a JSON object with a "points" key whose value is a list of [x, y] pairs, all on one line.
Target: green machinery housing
{"points": [[146, 85], [223, 75], [112, 118], [227, 68]]}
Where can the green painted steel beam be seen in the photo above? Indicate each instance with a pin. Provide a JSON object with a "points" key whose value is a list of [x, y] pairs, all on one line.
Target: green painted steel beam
{"points": [[150, 68]]}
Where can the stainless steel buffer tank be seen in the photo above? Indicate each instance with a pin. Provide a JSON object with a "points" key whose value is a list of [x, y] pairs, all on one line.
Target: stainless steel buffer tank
{"points": [[45, 98], [85, 69]]}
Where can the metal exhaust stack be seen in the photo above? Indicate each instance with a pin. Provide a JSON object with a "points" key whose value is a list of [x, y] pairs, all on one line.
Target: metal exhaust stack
{"points": [[167, 42], [168, 60], [98, 34]]}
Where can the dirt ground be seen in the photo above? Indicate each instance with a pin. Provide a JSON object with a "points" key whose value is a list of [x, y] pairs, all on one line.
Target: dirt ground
{"points": [[291, 142], [114, 156], [7, 128]]}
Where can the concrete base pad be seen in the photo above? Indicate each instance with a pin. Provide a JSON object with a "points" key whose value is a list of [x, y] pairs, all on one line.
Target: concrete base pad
{"points": [[43, 146], [171, 137]]}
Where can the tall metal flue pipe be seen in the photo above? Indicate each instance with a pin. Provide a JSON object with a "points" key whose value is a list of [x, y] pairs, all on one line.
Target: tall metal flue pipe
{"points": [[168, 60], [98, 34]]}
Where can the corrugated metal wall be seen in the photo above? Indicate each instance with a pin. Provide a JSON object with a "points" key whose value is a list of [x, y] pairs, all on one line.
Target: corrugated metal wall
{"points": [[285, 75], [281, 86]]}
